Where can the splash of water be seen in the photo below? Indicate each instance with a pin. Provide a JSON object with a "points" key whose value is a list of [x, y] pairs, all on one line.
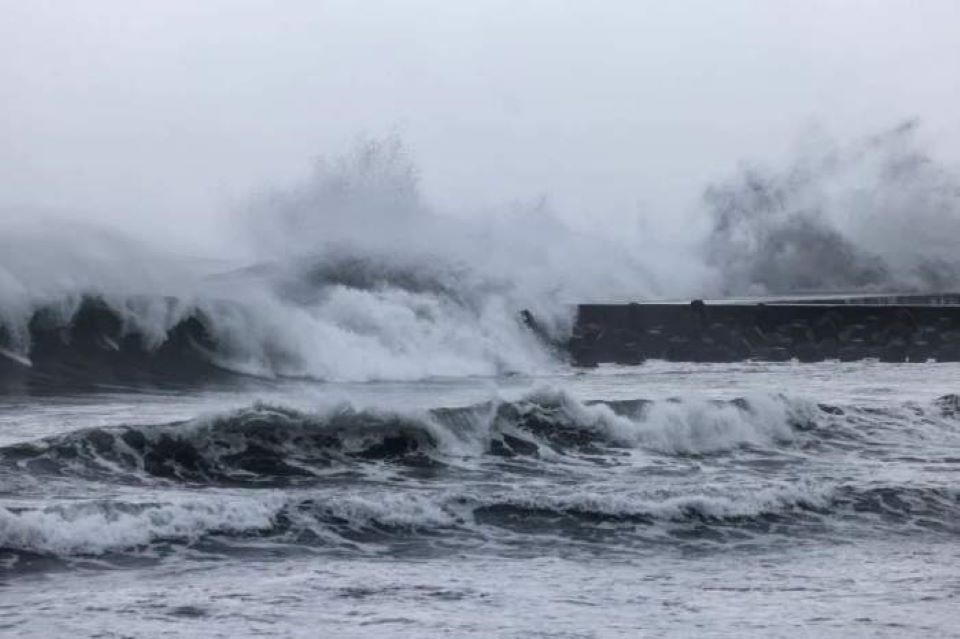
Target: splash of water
{"points": [[879, 214]]}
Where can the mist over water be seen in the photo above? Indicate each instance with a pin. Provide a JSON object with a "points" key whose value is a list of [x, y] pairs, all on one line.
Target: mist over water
{"points": [[877, 214], [351, 273]]}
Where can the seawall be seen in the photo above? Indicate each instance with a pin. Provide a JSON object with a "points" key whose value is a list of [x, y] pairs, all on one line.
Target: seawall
{"points": [[892, 328]]}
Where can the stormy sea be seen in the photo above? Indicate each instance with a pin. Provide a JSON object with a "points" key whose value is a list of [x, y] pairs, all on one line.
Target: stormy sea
{"points": [[355, 433]]}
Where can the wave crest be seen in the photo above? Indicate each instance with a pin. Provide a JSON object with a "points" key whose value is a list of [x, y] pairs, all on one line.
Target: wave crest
{"points": [[275, 445]]}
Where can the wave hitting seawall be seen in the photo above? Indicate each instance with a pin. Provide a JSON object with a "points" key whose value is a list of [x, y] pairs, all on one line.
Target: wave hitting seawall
{"points": [[95, 343]]}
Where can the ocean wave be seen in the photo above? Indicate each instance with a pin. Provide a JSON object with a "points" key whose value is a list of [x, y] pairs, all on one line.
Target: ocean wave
{"points": [[348, 517], [260, 445], [274, 445], [340, 334]]}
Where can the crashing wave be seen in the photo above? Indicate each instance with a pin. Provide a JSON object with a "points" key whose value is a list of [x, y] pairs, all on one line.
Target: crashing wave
{"points": [[272, 445], [347, 335]]}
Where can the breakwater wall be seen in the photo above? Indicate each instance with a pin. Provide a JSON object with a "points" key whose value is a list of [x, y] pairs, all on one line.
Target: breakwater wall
{"points": [[896, 328]]}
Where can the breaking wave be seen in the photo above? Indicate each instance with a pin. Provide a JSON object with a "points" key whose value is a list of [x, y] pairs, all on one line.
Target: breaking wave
{"points": [[346, 276], [274, 445], [269, 444], [348, 517], [348, 335], [96, 527]]}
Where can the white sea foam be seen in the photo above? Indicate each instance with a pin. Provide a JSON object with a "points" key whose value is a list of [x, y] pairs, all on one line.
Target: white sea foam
{"points": [[709, 502], [690, 424], [97, 527], [100, 526]]}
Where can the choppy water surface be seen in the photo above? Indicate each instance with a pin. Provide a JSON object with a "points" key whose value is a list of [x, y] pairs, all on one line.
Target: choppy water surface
{"points": [[692, 500]]}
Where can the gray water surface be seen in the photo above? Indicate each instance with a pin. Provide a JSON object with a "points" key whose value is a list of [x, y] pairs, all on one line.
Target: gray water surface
{"points": [[734, 500]]}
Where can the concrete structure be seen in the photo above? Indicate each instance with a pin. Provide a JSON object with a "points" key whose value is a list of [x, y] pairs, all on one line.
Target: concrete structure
{"points": [[889, 327]]}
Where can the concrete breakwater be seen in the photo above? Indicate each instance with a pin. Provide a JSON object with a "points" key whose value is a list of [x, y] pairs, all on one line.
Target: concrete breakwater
{"points": [[891, 328]]}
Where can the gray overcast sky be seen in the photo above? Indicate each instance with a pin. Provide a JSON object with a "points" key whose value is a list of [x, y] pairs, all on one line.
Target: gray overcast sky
{"points": [[153, 112]]}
